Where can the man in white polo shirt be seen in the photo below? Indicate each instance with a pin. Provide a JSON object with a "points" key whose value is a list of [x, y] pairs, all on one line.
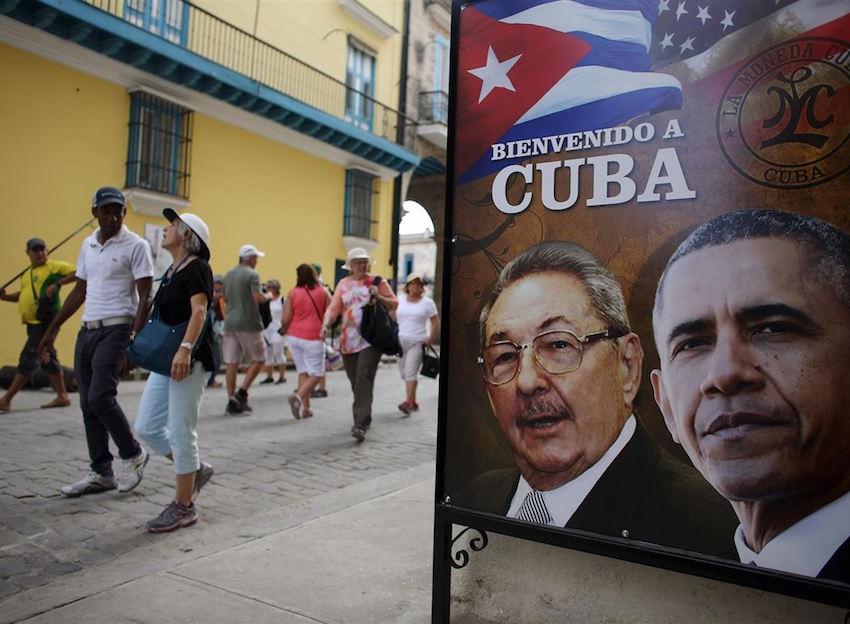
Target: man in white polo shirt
{"points": [[114, 276]]}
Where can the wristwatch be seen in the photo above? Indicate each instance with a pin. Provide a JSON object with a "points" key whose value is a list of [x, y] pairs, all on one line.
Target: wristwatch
{"points": [[186, 345]]}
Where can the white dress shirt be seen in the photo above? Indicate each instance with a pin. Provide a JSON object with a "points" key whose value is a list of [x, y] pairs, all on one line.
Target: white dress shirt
{"points": [[805, 547], [110, 271], [563, 501]]}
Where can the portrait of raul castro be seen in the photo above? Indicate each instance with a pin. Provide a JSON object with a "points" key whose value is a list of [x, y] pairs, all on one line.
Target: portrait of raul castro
{"points": [[561, 368]]}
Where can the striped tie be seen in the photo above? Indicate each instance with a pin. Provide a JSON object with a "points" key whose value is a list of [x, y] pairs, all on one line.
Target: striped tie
{"points": [[533, 509]]}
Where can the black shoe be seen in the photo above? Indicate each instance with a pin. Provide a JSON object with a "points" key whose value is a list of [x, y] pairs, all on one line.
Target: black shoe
{"points": [[234, 407], [242, 397], [359, 433], [318, 393], [280, 381], [267, 380]]}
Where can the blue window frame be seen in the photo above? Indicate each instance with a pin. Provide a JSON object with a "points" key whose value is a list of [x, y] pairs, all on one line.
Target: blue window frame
{"points": [[357, 220], [159, 147], [408, 266], [360, 87], [167, 18], [441, 79]]}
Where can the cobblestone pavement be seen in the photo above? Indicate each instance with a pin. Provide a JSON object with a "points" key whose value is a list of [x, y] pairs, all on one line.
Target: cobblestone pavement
{"points": [[263, 462]]}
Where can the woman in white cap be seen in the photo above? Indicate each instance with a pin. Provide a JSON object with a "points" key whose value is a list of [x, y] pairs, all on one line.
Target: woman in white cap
{"points": [[359, 357], [168, 411], [418, 326]]}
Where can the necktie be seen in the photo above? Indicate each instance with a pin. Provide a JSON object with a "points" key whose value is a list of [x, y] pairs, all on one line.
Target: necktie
{"points": [[533, 509]]}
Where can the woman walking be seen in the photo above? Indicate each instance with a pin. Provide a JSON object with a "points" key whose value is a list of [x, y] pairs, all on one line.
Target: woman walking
{"points": [[418, 326], [359, 357], [169, 407], [303, 312], [275, 343]]}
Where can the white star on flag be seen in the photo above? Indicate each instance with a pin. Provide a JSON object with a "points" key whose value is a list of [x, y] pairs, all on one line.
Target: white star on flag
{"points": [[663, 5], [687, 45], [681, 11], [667, 41], [494, 74], [703, 14], [727, 20]]}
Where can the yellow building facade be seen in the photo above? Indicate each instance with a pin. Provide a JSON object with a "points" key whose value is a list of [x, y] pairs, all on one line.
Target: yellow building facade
{"points": [[287, 140]]}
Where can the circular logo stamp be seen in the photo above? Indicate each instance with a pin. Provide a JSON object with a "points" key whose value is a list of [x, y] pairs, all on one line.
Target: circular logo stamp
{"points": [[784, 119]]}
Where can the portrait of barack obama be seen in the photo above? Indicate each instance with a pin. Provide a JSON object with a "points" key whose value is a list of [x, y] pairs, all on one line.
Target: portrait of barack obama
{"points": [[752, 325], [561, 368]]}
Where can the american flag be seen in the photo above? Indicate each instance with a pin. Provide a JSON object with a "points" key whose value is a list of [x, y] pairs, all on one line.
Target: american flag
{"points": [[686, 28]]}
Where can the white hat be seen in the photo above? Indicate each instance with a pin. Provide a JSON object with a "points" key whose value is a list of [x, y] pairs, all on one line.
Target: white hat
{"points": [[194, 223], [356, 253], [248, 250]]}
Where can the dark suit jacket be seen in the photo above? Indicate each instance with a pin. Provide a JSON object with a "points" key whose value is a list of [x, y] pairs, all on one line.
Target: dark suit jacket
{"points": [[838, 567], [644, 491]]}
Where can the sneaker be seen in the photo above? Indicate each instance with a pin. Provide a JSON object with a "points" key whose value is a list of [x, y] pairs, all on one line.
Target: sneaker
{"points": [[359, 433], [318, 393], [242, 396], [414, 407], [214, 384], [202, 475], [405, 407], [280, 381], [295, 406], [92, 483], [234, 407], [267, 380], [173, 517], [131, 473]]}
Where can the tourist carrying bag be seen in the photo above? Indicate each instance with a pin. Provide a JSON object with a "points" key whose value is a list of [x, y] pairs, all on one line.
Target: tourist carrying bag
{"points": [[378, 328], [155, 345], [430, 362]]}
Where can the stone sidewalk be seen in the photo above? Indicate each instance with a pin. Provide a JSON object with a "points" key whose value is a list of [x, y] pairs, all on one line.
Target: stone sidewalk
{"points": [[272, 472]]}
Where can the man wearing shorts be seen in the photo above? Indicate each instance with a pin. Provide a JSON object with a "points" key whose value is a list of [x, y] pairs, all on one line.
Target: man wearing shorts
{"points": [[243, 327]]}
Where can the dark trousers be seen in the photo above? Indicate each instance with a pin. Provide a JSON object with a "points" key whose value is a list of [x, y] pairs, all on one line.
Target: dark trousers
{"points": [[360, 368], [97, 362]]}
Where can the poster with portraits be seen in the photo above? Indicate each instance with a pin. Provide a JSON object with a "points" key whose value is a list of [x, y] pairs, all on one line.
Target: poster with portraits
{"points": [[649, 276]]}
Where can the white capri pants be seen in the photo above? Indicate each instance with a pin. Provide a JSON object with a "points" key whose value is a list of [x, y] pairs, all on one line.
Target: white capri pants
{"points": [[410, 363], [308, 355]]}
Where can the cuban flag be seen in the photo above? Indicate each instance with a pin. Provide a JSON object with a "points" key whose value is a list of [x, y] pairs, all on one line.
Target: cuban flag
{"points": [[533, 68]]}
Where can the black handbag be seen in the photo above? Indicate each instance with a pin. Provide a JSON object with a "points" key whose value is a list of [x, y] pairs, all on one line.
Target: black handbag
{"points": [[378, 328], [430, 362], [46, 308]]}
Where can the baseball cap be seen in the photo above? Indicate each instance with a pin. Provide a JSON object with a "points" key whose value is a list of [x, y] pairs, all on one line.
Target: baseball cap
{"points": [[194, 223], [106, 195], [317, 266], [35, 242], [250, 250]]}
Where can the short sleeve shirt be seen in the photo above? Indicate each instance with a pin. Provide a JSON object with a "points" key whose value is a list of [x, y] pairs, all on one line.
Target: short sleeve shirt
{"points": [[110, 271], [413, 317], [243, 314], [174, 303], [33, 283]]}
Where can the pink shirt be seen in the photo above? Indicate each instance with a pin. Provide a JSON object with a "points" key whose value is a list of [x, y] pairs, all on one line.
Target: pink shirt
{"points": [[349, 298], [306, 321]]}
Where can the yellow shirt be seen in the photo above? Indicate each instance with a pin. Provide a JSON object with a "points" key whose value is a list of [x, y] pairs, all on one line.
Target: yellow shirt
{"points": [[37, 278]]}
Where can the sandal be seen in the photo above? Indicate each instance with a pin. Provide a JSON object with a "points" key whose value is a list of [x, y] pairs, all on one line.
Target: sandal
{"points": [[306, 413], [295, 406]]}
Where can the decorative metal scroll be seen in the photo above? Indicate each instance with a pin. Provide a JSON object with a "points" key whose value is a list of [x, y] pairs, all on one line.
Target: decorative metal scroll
{"points": [[461, 557]]}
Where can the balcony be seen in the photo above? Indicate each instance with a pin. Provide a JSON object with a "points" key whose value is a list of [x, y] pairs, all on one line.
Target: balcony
{"points": [[434, 117], [189, 46]]}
